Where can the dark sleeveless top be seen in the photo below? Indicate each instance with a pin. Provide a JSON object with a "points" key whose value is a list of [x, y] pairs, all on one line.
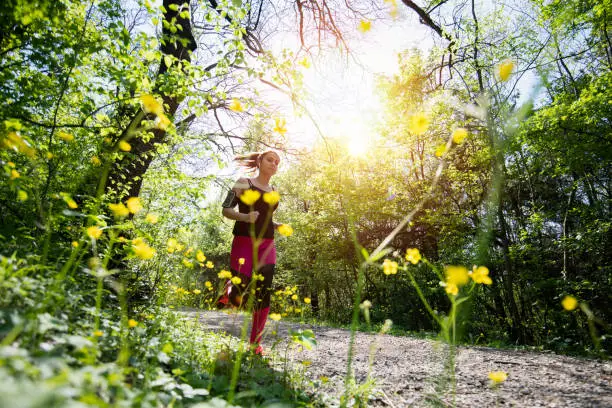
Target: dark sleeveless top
{"points": [[244, 228]]}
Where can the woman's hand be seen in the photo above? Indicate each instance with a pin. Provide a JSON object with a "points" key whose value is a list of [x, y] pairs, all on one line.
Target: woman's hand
{"points": [[251, 217]]}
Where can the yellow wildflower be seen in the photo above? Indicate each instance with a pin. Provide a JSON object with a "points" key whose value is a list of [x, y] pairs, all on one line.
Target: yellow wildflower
{"points": [[162, 122], [250, 196], [49, 155], [285, 230], [210, 265], [389, 267], [94, 232], [72, 204], [96, 161], [236, 106], [14, 174], [294, 297], [418, 123], [505, 70], [459, 134], [132, 323], [187, 263], [280, 126], [364, 26], [307, 300], [440, 150], [569, 303], [413, 255], [224, 274], [208, 284], [66, 137], [200, 256], [22, 195], [98, 333], [134, 205], [125, 146], [275, 316], [241, 261], [152, 218], [11, 164], [151, 105], [451, 289], [480, 274], [236, 280], [305, 62], [498, 376], [75, 244], [457, 275], [119, 210], [142, 250], [197, 291], [271, 197], [172, 245]]}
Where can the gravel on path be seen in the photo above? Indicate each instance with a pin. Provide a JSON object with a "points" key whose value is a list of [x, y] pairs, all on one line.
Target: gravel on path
{"points": [[409, 372]]}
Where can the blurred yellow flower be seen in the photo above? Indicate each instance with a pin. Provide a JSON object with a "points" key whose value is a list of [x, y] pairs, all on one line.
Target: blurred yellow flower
{"points": [[200, 256], [275, 316], [187, 263], [125, 146], [389, 267], [75, 244], [15, 142], [305, 62], [119, 210], [162, 122], [134, 204], [49, 155], [210, 265], [505, 69], [498, 376], [236, 106], [151, 105], [72, 204], [132, 323], [364, 26], [569, 303], [208, 284], [236, 280], [451, 289], [271, 197], [66, 137], [250, 196], [280, 126], [197, 291], [480, 274], [22, 195], [94, 232], [172, 245], [413, 255], [224, 274], [142, 250], [459, 134], [98, 333], [241, 261], [440, 150], [285, 230], [294, 297], [418, 123], [14, 174], [152, 218], [457, 275], [307, 300], [96, 161]]}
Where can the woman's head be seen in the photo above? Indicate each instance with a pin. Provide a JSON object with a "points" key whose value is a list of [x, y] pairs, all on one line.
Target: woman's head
{"points": [[266, 161]]}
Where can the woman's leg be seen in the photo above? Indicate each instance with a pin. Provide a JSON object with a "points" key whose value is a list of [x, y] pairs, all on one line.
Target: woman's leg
{"points": [[262, 303]]}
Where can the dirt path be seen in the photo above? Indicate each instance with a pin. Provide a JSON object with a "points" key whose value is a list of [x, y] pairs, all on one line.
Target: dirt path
{"points": [[407, 372]]}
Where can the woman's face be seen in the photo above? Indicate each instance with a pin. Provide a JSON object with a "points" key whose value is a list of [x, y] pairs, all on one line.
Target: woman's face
{"points": [[269, 163]]}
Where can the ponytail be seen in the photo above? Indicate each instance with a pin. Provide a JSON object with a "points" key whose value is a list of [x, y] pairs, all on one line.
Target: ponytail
{"points": [[251, 161]]}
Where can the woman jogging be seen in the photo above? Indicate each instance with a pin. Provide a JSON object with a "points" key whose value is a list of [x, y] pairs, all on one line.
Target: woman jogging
{"points": [[253, 252]]}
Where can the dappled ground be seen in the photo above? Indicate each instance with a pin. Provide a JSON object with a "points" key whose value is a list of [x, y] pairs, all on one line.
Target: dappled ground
{"points": [[408, 371]]}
